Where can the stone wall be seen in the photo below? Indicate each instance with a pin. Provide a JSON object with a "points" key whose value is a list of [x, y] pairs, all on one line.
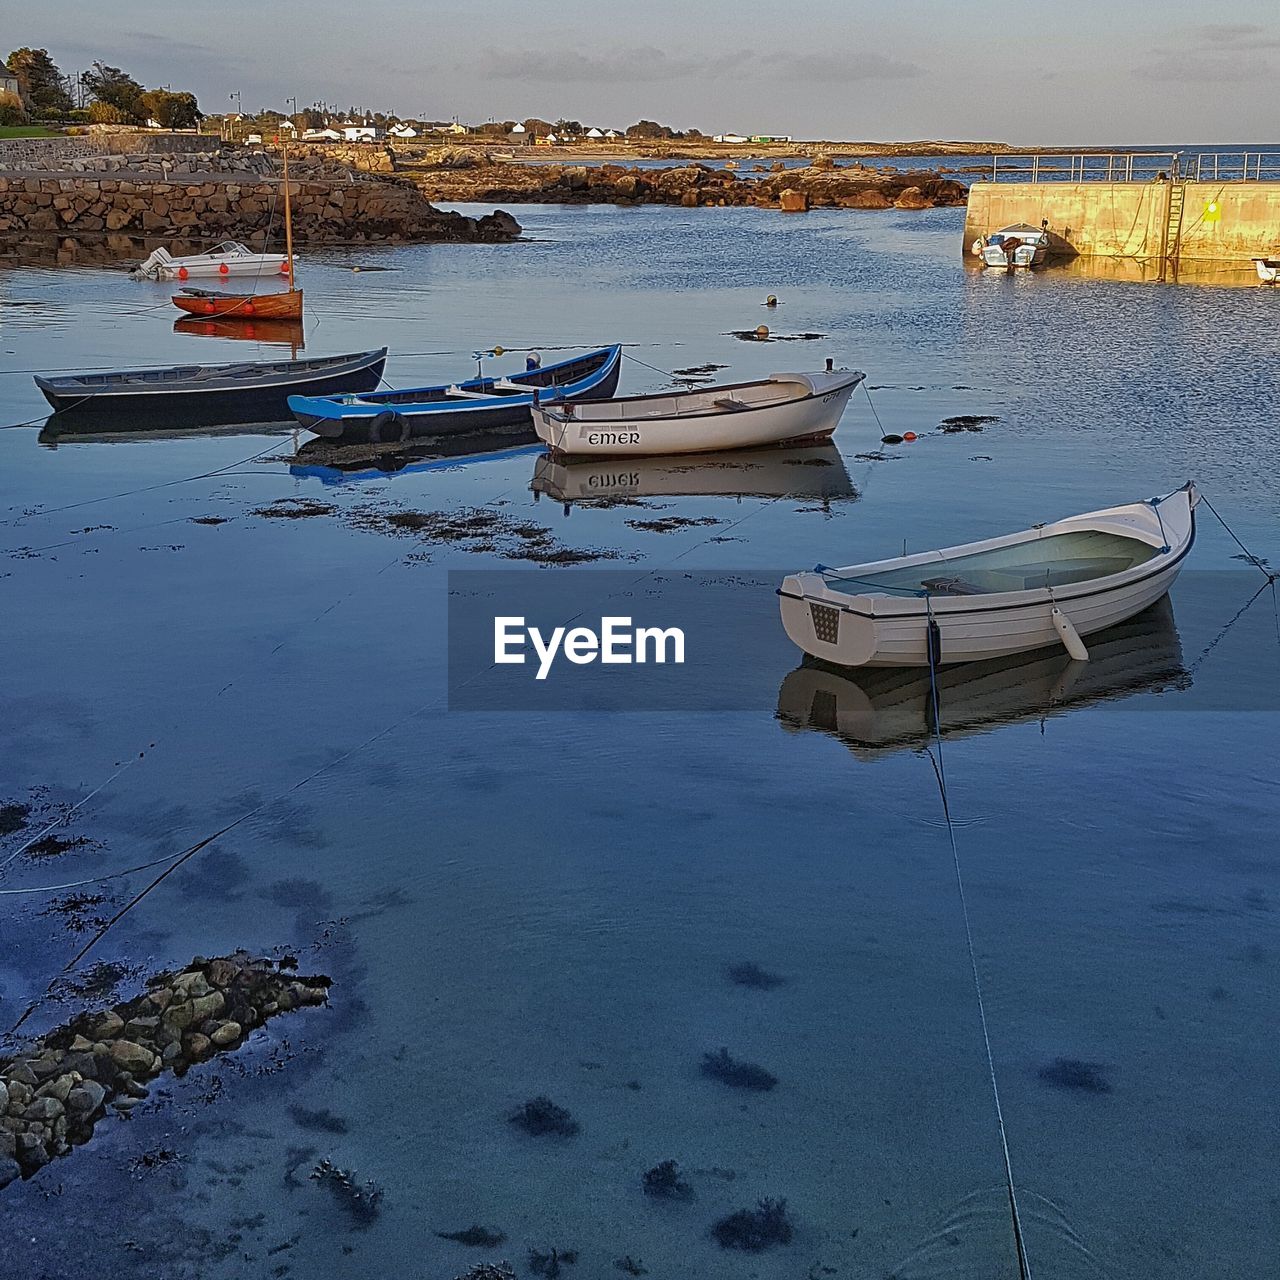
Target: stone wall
{"points": [[1221, 221], [212, 208], [54, 153]]}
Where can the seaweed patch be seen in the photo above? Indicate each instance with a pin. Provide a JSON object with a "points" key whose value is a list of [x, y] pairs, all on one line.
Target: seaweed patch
{"points": [[361, 1201], [540, 1116], [473, 1235], [740, 1075], [1073, 1073], [755, 1230], [665, 1182], [748, 974], [966, 422], [548, 1264]]}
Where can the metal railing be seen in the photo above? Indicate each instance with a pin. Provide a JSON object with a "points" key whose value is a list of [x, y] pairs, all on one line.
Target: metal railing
{"points": [[1139, 166]]}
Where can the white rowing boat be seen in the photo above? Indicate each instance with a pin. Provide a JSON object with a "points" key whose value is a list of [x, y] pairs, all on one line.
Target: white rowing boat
{"points": [[230, 258], [1048, 585], [785, 408], [1020, 245], [1268, 269]]}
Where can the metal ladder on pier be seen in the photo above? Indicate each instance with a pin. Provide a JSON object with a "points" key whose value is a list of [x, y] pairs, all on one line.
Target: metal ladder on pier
{"points": [[1171, 236]]}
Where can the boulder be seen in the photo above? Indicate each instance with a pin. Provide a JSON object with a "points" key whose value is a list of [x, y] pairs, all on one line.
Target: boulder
{"points": [[132, 1057], [86, 1098], [913, 198], [791, 201]]}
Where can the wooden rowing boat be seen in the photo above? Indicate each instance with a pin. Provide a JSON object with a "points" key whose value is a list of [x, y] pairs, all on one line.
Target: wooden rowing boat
{"points": [[786, 408], [248, 391], [249, 305], [1051, 584], [476, 405]]}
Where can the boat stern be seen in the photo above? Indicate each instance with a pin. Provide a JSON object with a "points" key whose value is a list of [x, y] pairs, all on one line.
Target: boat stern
{"points": [[822, 627]]}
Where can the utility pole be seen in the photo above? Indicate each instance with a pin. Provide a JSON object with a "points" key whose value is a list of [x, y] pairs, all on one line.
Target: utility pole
{"points": [[234, 97]]}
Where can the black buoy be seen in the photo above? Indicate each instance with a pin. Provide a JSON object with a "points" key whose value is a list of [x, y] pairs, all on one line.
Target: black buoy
{"points": [[891, 439]]}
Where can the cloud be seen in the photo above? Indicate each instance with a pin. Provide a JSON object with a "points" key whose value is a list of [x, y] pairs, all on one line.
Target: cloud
{"points": [[647, 65], [1237, 35], [1206, 68]]}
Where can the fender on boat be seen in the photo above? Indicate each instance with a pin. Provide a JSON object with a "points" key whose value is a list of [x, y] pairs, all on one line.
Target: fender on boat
{"points": [[1069, 636]]}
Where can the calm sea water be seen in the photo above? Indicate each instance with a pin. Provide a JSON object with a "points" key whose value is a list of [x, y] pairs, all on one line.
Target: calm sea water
{"points": [[517, 904]]}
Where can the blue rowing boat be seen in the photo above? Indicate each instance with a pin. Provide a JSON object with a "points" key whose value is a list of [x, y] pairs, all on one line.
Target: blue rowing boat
{"points": [[476, 405]]}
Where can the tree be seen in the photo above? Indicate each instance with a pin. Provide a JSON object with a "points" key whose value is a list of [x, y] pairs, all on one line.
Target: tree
{"points": [[113, 88], [568, 126], [41, 82], [649, 129], [539, 128], [171, 110]]}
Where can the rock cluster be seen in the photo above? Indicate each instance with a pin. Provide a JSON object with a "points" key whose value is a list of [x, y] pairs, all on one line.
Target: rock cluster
{"points": [[215, 206], [54, 1093], [819, 185]]}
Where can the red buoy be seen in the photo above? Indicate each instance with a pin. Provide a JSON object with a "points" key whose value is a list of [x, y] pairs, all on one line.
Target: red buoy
{"points": [[223, 269], [209, 308], [909, 435], [284, 268], [183, 273]]}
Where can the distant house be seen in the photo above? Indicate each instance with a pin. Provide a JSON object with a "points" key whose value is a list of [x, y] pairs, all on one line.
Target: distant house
{"points": [[9, 83], [730, 137], [520, 136], [445, 126], [403, 131], [612, 133], [321, 135], [360, 133], [769, 137], [595, 133], [289, 125]]}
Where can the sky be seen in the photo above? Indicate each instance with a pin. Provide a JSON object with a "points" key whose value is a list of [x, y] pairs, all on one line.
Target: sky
{"points": [[1030, 72]]}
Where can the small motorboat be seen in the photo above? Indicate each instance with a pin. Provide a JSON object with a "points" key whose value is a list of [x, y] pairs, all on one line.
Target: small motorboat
{"points": [[1051, 584], [1020, 245], [785, 408], [230, 258], [476, 405], [817, 471], [1268, 269], [204, 394], [286, 305], [878, 710]]}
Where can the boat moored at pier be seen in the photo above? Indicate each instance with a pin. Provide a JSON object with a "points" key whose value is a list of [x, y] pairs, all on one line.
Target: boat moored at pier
{"points": [[1019, 245]]}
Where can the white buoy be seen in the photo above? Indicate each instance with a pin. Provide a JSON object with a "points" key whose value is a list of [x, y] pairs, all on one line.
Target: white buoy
{"points": [[1069, 635]]}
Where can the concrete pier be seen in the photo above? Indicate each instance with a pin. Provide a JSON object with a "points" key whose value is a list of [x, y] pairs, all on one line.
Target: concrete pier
{"points": [[1217, 221]]}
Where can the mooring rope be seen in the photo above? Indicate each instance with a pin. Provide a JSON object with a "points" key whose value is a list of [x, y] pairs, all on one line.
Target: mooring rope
{"points": [[933, 647]]}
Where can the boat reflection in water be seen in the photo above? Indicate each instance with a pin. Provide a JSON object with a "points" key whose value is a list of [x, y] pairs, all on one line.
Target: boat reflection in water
{"points": [[332, 463], [879, 710], [814, 472], [282, 333]]}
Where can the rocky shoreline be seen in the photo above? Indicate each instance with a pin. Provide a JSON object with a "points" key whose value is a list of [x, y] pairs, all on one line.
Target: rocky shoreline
{"points": [[53, 1093], [464, 175]]}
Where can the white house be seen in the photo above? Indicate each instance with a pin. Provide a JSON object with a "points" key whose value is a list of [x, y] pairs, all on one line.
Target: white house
{"points": [[612, 133], [359, 133], [730, 137], [595, 133], [321, 135], [403, 131]]}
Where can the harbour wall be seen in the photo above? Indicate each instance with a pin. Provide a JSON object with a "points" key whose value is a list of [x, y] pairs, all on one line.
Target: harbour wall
{"points": [[53, 153], [1220, 221], [214, 207]]}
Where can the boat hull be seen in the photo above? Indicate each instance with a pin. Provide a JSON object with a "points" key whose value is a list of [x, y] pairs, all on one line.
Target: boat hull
{"points": [[811, 419], [1268, 269], [394, 417], [242, 306], [881, 631], [1024, 255], [164, 409]]}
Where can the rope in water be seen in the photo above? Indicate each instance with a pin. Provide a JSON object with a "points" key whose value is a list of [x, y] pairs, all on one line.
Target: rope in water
{"points": [[933, 646], [1271, 574]]}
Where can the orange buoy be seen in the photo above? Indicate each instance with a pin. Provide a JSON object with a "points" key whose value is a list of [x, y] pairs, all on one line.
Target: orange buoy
{"points": [[909, 435], [248, 308], [223, 269], [183, 273], [284, 268]]}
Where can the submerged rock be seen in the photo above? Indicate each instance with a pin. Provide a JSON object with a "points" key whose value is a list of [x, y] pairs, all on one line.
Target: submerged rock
{"points": [[473, 1235], [665, 1182], [53, 1093], [1072, 1073]]}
